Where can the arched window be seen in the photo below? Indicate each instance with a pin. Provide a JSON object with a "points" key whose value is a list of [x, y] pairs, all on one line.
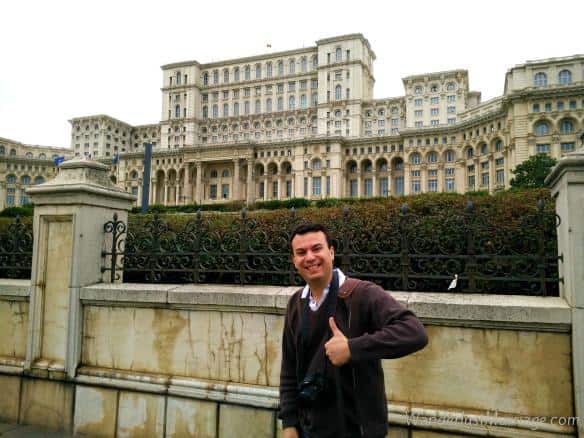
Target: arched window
{"points": [[213, 173], [257, 125], [236, 74], [258, 106], [258, 72], [314, 62], [415, 158], [246, 107], [292, 66], [215, 111], [449, 156], [469, 153], [178, 78], [269, 70], [39, 180], [451, 86], [2, 150], [418, 90], [566, 127], [12, 152], [303, 65], [280, 68], [540, 80], [269, 105], [177, 111], [353, 168], [25, 180], [383, 166], [368, 167], [215, 77], [205, 78], [484, 149], [280, 104], [498, 146], [565, 77], [42, 156], [247, 73], [432, 157], [134, 175], [338, 54], [225, 75], [236, 109], [338, 92], [291, 102], [225, 173], [542, 128], [11, 179], [316, 164], [28, 155]]}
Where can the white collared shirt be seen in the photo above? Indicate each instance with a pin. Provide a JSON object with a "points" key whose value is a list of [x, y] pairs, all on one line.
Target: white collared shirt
{"points": [[312, 303]]}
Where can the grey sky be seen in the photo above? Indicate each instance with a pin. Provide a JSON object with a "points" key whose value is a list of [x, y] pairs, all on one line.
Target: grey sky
{"points": [[63, 59]]}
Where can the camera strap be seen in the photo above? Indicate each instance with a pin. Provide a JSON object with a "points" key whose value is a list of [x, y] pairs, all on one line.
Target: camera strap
{"points": [[331, 303]]}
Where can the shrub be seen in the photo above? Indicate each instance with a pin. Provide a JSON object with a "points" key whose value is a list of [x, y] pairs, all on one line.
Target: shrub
{"points": [[25, 210]]}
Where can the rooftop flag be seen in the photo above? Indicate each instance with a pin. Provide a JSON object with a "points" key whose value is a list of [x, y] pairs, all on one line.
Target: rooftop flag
{"points": [[58, 160]]}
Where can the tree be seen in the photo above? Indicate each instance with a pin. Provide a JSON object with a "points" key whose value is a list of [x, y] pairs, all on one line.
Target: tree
{"points": [[531, 173]]}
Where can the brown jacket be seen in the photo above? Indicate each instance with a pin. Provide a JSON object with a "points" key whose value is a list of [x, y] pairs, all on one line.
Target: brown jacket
{"points": [[378, 327]]}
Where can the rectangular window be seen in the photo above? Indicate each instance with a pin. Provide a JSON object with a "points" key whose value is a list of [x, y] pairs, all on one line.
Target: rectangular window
{"points": [[451, 98], [449, 171], [548, 107], [560, 106], [499, 162], [434, 122], [416, 186], [275, 189], [418, 102], [225, 191], [213, 191], [384, 186], [434, 111], [535, 107], [451, 121], [368, 187], [418, 113], [449, 185], [353, 188], [305, 186], [451, 109], [485, 165], [432, 185], [572, 104], [542, 148], [288, 189], [567, 147], [328, 185], [500, 177], [485, 179], [471, 182], [291, 86], [316, 187], [419, 124], [434, 100]]}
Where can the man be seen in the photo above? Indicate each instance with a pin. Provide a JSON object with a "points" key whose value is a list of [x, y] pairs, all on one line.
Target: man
{"points": [[337, 330]]}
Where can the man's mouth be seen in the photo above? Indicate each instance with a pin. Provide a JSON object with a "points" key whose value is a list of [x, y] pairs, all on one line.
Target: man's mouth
{"points": [[312, 268]]}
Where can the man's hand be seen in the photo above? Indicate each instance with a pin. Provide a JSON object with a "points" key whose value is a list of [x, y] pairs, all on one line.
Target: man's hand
{"points": [[337, 347], [290, 432]]}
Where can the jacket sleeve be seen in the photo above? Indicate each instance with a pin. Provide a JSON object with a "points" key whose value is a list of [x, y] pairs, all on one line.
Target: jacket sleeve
{"points": [[394, 330], [288, 380]]}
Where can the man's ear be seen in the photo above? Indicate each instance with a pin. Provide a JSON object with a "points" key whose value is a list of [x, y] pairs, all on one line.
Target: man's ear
{"points": [[332, 252]]}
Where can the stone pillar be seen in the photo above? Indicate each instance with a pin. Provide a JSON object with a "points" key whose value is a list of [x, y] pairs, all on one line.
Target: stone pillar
{"points": [[374, 191], [199, 184], [69, 217], [176, 193], [187, 187], [567, 185], [139, 200], [2, 196], [250, 183], [235, 186], [165, 194], [153, 192], [407, 179], [424, 178], [492, 175]]}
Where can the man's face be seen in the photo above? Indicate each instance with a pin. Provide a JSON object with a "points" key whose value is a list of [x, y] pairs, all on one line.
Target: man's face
{"points": [[312, 257]]}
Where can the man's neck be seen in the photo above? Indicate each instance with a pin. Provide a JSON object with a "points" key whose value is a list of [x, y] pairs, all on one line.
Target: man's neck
{"points": [[317, 288]]}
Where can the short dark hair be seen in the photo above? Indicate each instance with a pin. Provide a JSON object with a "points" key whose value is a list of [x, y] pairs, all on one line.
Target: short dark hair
{"points": [[311, 227]]}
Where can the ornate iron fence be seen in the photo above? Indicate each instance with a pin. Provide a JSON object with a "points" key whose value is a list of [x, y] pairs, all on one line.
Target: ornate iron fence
{"points": [[16, 250], [405, 252]]}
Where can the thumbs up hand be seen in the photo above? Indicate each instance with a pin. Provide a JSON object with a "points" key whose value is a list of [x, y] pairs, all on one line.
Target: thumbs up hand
{"points": [[337, 347]]}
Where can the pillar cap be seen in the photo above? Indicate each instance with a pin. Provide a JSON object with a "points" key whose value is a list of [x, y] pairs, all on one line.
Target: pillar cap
{"points": [[573, 160]]}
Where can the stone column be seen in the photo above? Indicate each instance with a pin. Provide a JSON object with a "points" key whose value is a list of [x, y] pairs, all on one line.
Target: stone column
{"points": [[165, 194], [2, 196], [199, 184], [265, 186], [250, 183], [567, 185], [235, 186], [153, 193], [187, 187], [407, 179], [424, 178], [69, 217], [374, 190], [492, 177], [139, 200], [441, 176], [176, 193]]}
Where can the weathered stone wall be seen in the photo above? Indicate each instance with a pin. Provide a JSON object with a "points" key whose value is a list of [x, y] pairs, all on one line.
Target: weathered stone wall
{"points": [[203, 360]]}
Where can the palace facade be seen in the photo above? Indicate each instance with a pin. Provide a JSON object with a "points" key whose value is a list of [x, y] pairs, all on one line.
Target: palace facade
{"points": [[304, 123]]}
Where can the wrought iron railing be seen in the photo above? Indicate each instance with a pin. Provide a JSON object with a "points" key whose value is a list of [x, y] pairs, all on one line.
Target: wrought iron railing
{"points": [[16, 250], [404, 252]]}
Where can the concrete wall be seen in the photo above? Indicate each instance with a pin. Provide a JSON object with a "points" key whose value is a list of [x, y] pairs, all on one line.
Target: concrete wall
{"points": [[203, 360]]}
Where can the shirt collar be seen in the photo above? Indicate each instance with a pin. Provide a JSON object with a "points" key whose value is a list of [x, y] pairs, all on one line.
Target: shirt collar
{"points": [[312, 303]]}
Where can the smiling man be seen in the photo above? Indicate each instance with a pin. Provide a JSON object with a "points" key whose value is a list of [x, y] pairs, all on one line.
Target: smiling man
{"points": [[336, 332]]}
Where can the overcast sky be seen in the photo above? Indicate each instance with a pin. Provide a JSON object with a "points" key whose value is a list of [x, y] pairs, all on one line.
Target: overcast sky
{"points": [[63, 59]]}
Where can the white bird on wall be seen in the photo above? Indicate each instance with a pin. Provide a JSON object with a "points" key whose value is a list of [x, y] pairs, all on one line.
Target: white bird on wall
{"points": [[453, 282]]}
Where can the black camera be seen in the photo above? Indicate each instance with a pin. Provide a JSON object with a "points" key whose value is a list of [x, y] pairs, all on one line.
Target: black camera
{"points": [[312, 389]]}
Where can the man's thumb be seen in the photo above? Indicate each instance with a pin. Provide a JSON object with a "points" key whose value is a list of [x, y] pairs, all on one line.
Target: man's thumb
{"points": [[333, 326]]}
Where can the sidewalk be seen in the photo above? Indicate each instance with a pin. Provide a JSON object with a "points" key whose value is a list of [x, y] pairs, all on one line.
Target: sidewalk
{"points": [[22, 431]]}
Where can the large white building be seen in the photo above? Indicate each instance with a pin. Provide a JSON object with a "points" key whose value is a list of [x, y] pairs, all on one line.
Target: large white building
{"points": [[304, 123]]}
